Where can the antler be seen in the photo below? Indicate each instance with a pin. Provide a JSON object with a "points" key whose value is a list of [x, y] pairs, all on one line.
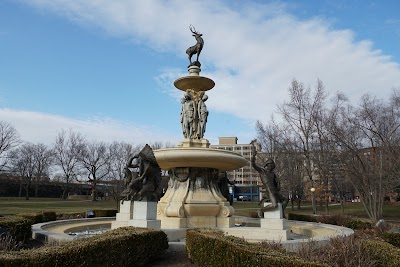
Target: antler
{"points": [[191, 27]]}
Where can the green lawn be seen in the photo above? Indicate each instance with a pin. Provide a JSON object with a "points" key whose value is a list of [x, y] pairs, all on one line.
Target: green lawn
{"points": [[20, 205], [354, 209], [13, 205]]}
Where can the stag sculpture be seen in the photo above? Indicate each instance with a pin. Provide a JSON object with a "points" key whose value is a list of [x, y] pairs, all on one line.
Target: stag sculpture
{"points": [[196, 49]]}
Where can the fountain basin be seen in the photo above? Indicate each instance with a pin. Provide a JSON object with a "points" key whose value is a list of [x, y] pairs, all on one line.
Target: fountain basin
{"points": [[222, 160], [196, 83]]}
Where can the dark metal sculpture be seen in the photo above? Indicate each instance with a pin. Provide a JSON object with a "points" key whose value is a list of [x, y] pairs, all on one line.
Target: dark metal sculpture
{"points": [[144, 184], [223, 185], [196, 49], [271, 185]]}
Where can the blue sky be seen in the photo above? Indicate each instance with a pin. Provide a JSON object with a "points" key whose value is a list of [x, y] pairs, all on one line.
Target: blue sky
{"points": [[106, 68]]}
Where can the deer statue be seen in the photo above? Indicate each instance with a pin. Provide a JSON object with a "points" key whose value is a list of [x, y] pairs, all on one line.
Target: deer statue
{"points": [[196, 49]]}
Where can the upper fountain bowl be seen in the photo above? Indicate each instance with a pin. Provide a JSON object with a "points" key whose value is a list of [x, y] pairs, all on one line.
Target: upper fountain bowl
{"points": [[196, 83]]}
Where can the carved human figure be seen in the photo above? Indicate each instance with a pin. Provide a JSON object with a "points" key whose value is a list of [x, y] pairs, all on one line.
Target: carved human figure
{"points": [[189, 116], [183, 117], [202, 115], [271, 185]]}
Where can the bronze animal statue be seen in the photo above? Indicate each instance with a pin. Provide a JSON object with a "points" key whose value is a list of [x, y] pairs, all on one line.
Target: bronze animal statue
{"points": [[196, 49]]}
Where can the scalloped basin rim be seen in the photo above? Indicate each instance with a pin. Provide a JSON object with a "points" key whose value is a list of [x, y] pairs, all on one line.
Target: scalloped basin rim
{"points": [[222, 160]]}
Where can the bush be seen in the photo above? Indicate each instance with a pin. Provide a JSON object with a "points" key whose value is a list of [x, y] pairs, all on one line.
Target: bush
{"points": [[33, 217], [20, 228], [358, 225], [337, 219], [126, 246], [340, 251], [49, 216], [105, 213], [384, 254], [211, 248], [301, 217], [392, 238], [7, 243]]}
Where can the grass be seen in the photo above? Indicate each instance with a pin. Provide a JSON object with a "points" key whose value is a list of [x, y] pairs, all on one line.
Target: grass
{"points": [[390, 212], [14, 205]]}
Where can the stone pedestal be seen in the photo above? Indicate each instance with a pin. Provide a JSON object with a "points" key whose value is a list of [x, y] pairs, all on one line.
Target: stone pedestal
{"points": [[194, 200], [145, 215], [274, 222], [124, 214]]}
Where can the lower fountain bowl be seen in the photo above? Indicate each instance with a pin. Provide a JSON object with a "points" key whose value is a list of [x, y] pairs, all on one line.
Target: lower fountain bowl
{"points": [[222, 160]]}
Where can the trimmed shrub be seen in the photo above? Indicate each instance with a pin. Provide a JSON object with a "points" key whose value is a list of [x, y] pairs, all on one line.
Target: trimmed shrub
{"points": [[126, 246], [301, 217], [342, 220], [392, 238], [105, 213], [358, 225], [336, 219], [7, 243], [340, 251], [49, 216], [384, 254], [45, 216], [33, 217], [211, 248], [20, 228]]}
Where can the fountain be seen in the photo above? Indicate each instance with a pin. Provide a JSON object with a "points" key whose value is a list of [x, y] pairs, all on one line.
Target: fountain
{"points": [[194, 196]]}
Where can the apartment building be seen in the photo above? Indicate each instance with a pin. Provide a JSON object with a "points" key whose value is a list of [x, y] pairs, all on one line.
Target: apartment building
{"points": [[246, 175]]}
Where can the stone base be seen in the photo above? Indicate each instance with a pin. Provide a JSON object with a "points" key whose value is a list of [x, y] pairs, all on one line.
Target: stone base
{"points": [[201, 221], [173, 223], [204, 143], [145, 215], [116, 224], [144, 210], [225, 222], [275, 213], [273, 224], [124, 214], [153, 224]]}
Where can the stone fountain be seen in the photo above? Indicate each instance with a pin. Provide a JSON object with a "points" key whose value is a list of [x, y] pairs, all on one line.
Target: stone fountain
{"points": [[194, 196]]}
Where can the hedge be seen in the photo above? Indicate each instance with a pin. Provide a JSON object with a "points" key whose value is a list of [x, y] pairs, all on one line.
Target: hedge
{"points": [[384, 254], [20, 228], [105, 213], [126, 246], [341, 220], [392, 238], [212, 248]]}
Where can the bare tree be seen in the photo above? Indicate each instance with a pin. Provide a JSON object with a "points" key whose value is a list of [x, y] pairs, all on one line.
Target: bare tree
{"points": [[67, 148], [43, 159], [369, 136], [9, 139], [31, 163], [300, 115], [95, 159]]}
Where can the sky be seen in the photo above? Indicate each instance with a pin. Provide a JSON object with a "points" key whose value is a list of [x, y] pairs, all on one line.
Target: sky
{"points": [[106, 68]]}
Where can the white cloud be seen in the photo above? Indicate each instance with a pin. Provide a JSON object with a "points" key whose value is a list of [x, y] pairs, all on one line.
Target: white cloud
{"points": [[252, 52], [38, 127]]}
